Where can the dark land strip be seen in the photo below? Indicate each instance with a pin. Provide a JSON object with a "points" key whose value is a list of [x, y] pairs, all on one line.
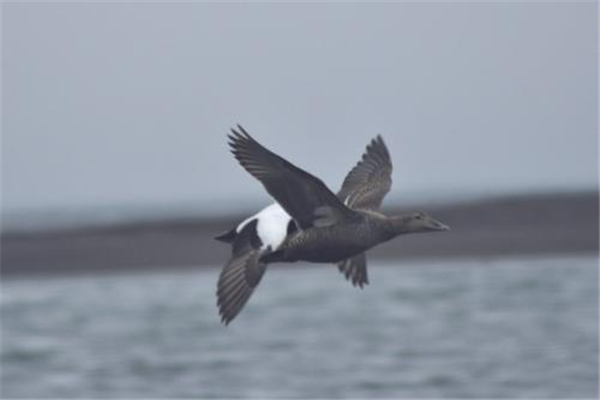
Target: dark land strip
{"points": [[502, 227]]}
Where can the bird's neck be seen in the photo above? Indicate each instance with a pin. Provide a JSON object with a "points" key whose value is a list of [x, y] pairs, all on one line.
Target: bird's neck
{"points": [[399, 225]]}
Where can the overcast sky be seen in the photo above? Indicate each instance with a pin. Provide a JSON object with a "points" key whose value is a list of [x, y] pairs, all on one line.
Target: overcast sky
{"points": [[129, 103]]}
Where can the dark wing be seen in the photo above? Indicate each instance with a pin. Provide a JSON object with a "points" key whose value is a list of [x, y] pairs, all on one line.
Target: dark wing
{"points": [[303, 196], [355, 270], [369, 181], [241, 274], [237, 282]]}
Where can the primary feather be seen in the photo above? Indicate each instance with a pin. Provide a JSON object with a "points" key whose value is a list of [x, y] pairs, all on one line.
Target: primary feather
{"points": [[370, 180], [304, 197]]}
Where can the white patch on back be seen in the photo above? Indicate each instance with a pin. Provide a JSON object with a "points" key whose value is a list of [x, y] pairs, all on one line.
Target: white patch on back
{"points": [[271, 227]]}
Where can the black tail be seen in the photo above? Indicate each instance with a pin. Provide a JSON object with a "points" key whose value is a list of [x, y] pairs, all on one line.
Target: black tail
{"points": [[227, 237]]}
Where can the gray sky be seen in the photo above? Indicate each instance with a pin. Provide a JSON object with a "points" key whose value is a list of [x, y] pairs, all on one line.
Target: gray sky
{"points": [[128, 104]]}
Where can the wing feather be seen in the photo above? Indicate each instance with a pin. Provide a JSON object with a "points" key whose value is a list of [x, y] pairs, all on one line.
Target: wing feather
{"points": [[237, 282], [303, 196], [370, 180], [355, 270], [242, 273]]}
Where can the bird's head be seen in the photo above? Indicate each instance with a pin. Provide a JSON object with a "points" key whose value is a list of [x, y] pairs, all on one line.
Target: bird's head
{"points": [[417, 222]]}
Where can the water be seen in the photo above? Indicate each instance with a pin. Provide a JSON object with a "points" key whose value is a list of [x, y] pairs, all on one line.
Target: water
{"points": [[505, 328]]}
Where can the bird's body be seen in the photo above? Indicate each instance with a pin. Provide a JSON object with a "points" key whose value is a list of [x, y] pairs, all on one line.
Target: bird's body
{"points": [[308, 222], [337, 242]]}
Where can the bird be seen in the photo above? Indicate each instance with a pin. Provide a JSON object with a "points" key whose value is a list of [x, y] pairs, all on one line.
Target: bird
{"points": [[308, 222]]}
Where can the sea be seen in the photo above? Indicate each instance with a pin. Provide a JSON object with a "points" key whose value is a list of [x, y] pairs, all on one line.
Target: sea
{"points": [[475, 328]]}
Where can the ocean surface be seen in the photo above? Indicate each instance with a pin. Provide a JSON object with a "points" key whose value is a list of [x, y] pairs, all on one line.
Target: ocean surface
{"points": [[479, 328]]}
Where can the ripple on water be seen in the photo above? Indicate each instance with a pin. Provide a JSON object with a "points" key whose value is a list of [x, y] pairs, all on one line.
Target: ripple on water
{"points": [[507, 328]]}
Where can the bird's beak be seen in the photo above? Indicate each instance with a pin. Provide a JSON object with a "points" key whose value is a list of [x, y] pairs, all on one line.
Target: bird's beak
{"points": [[438, 226], [444, 227]]}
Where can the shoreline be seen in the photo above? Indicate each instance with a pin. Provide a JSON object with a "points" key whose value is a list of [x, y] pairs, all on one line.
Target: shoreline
{"points": [[501, 227]]}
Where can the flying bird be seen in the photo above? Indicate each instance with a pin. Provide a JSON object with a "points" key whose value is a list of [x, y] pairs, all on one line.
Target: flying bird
{"points": [[308, 221]]}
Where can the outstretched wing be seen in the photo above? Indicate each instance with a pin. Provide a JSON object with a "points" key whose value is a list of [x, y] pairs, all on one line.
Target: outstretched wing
{"points": [[304, 197], [241, 275], [237, 282], [355, 270], [370, 180]]}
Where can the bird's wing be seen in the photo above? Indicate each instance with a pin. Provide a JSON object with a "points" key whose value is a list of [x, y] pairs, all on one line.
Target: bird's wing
{"points": [[303, 196], [241, 274], [237, 281], [355, 270], [370, 180]]}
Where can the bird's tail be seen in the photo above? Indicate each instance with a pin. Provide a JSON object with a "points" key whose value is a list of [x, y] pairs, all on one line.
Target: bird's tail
{"points": [[227, 237]]}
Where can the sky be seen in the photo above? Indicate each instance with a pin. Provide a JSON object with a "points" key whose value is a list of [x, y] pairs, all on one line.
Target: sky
{"points": [[129, 104]]}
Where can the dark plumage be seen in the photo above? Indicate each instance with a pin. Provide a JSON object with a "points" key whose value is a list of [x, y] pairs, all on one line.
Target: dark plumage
{"points": [[324, 227], [241, 274], [303, 196], [355, 269], [370, 180]]}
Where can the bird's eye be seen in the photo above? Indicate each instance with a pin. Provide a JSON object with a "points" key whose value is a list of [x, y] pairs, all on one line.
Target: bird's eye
{"points": [[419, 216]]}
